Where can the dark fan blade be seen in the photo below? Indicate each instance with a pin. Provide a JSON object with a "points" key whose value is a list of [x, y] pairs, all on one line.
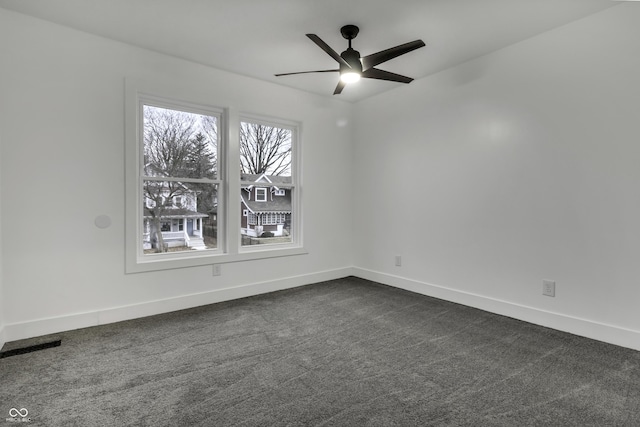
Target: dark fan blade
{"points": [[339, 88], [332, 53], [374, 73], [374, 59], [307, 72]]}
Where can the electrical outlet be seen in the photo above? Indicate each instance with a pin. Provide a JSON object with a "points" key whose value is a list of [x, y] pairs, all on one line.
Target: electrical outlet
{"points": [[549, 288], [217, 270], [398, 261]]}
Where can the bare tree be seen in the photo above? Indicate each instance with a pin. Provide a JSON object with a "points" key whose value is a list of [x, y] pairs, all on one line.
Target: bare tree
{"points": [[209, 126], [166, 141], [264, 149]]}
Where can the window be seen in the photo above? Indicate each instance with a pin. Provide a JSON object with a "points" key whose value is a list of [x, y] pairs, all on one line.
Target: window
{"points": [[268, 161], [273, 218], [261, 194], [190, 172], [252, 219], [179, 154]]}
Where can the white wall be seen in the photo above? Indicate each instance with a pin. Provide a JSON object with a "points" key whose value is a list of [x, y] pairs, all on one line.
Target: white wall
{"points": [[518, 166], [487, 178], [63, 165], [2, 309]]}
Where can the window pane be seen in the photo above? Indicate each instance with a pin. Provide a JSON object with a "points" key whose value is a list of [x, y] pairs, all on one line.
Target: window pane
{"points": [[261, 194], [189, 225], [265, 222], [179, 144], [264, 149]]}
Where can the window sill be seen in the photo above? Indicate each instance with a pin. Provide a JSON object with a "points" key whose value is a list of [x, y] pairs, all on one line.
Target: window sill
{"points": [[170, 262]]}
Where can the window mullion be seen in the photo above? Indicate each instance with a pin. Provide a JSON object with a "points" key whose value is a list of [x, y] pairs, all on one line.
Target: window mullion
{"points": [[232, 156]]}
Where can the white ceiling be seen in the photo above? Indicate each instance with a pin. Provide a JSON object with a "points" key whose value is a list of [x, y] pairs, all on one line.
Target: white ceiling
{"points": [[259, 38]]}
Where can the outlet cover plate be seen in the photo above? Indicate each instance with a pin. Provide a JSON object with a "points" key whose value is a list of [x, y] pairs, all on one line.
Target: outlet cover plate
{"points": [[217, 270], [549, 288]]}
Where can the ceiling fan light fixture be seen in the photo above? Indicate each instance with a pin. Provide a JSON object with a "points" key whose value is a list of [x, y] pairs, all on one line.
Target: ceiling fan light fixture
{"points": [[352, 66], [350, 77]]}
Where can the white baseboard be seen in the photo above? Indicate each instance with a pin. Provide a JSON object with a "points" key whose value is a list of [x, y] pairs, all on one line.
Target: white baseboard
{"points": [[573, 325], [39, 327], [582, 327]]}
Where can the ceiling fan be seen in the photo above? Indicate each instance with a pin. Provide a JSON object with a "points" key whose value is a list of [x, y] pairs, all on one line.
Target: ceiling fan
{"points": [[353, 67]]}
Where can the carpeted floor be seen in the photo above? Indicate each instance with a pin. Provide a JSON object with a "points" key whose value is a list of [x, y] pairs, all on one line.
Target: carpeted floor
{"points": [[342, 353]]}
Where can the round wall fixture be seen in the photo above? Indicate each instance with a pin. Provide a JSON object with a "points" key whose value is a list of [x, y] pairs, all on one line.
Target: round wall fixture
{"points": [[103, 221]]}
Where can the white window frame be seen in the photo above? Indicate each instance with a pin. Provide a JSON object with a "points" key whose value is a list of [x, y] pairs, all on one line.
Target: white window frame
{"points": [[262, 197], [229, 249]]}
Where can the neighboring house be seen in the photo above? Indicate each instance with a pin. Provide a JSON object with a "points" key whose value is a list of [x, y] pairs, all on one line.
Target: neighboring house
{"points": [[179, 221], [265, 207]]}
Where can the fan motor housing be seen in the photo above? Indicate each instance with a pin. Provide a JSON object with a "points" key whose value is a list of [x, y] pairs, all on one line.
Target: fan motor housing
{"points": [[352, 57]]}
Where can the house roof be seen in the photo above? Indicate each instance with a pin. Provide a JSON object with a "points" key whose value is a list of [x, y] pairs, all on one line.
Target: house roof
{"points": [[176, 213], [274, 204], [272, 179]]}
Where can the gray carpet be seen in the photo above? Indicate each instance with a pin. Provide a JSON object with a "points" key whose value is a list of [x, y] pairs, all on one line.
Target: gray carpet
{"points": [[342, 353]]}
